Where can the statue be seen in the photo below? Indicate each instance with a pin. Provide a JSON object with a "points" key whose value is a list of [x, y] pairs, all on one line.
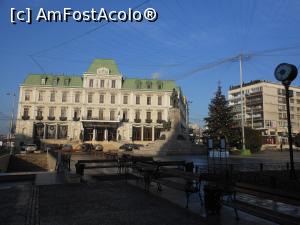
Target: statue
{"points": [[174, 98]]}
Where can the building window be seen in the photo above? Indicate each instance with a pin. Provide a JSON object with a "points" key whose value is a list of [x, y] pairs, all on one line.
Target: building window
{"points": [[138, 84], [159, 85], [137, 115], [26, 112], [77, 97], [51, 111], [159, 115], [112, 115], [55, 81], [76, 113], [91, 83], [64, 96], [41, 96], [113, 84], [101, 114], [63, 112], [148, 115], [149, 85], [159, 100], [43, 81], [125, 99], [27, 95], [66, 82], [52, 96], [39, 112], [89, 114], [137, 100], [124, 116], [101, 99], [148, 100], [112, 99], [90, 98], [102, 83]]}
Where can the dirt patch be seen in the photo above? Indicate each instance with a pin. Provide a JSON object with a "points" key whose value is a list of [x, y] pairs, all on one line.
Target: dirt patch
{"points": [[28, 163]]}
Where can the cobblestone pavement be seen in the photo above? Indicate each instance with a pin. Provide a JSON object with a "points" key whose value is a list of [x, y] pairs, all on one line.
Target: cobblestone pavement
{"points": [[15, 203], [108, 203]]}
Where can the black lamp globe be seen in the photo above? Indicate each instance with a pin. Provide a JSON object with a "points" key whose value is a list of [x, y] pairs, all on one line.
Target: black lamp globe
{"points": [[286, 73]]}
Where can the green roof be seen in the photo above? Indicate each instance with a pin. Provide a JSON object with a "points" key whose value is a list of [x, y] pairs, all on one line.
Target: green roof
{"points": [[149, 84], [53, 80], [107, 63]]}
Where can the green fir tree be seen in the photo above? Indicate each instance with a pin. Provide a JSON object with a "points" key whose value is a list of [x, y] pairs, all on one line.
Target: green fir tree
{"points": [[219, 122]]}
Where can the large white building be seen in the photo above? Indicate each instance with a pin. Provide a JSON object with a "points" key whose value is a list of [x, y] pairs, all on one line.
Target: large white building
{"points": [[100, 105], [265, 109]]}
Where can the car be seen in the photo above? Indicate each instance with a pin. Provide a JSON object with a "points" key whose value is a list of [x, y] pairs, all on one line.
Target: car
{"points": [[130, 146], [86, 147], [67, 148], [29, 148], [98, 147]]}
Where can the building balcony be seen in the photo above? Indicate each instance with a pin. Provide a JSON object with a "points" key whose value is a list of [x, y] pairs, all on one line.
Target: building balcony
{"points": [[159, 121], [63, 118], [25, 117], [125, 120], [137, 120], [148, 120], [92, 118], [51, 117], [39, 117], [76, 118]]}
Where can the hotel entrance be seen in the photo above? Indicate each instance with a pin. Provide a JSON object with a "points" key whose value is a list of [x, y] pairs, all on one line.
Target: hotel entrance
{"points": [[100, 131], [136, 133], [147, 133]]}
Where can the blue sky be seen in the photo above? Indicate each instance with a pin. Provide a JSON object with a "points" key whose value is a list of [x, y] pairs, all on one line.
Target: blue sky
{"points": [[186, 36]]}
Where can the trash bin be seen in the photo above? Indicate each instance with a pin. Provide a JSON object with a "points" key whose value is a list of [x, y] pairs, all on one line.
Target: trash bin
{"points": [[212, 198]]}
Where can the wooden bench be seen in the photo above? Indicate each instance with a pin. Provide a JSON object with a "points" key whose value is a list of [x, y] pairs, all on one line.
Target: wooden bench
{"points": [[82, 165], [265, 193], [157, 172]]}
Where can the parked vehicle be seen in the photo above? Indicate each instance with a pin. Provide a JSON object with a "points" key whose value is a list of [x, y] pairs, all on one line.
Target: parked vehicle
{"points": [[130, 146], [29, 148], [67, 148], [86, 147], [98, 147]]}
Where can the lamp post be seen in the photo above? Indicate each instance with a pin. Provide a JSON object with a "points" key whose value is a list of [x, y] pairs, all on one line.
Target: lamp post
{"points": [[13, 96], [286, 73]]}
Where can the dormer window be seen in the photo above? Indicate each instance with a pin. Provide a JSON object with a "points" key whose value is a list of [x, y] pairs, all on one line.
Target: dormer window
{"points": [[159, 85], [149, 84], [55, 81], [138, 84], [67, 82], [43, 81]]}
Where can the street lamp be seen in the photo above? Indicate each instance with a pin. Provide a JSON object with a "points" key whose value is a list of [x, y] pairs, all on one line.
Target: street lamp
{"points": [[13, 96], [286, 73]]}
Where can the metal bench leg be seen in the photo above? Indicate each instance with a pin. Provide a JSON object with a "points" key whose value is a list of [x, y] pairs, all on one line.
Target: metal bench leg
{"points": [[187, 200], [200, 196], [159, 189], [236, 214]]}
